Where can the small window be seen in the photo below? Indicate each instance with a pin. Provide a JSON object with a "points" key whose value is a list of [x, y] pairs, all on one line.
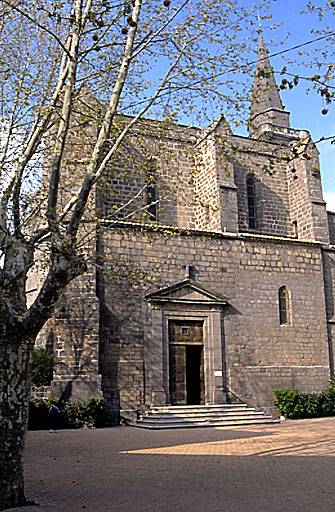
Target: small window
{"points": [[151, 191], [295, 228], [184, 331], [283, 306], [251, 201]]}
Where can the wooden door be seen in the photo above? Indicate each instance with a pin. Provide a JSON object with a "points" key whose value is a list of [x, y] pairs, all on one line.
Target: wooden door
{"points": [[186, 362]]}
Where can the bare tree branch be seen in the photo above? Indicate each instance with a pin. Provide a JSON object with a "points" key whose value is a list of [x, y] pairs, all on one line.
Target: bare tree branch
{"points": [[65, 118]]}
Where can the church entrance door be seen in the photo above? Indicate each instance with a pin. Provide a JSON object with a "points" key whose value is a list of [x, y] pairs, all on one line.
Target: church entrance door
{"points": [[186, 362]]}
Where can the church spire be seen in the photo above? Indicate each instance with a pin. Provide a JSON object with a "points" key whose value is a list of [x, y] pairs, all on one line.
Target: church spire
{"points": [[267, 109]]}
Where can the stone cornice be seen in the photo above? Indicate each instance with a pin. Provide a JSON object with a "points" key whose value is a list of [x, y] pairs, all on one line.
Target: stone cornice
{"points": [[175, 231]]}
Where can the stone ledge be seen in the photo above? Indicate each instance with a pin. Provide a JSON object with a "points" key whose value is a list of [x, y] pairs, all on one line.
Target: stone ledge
{"points": [[162, 229]]}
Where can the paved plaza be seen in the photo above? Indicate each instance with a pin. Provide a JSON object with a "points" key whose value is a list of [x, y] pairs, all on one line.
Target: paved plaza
{"points": [[283, 467]]}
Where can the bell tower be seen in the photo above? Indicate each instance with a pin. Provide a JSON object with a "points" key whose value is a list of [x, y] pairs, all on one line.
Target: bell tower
{"points": [[267, 113]]}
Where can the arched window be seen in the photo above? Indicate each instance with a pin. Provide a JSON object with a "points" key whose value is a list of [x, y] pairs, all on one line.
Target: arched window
{"points": [[283, 306], [251, 201]]}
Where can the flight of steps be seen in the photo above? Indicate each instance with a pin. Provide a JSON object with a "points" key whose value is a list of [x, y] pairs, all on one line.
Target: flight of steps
{"points": [[201, 416]]}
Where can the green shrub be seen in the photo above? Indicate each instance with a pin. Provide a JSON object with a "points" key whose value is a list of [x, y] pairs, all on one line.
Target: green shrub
{"points": [[42, 367], [92, 413], [295, 405], [287, 401], [74, 414], [327, 400], [97, 409], [308, 405]]}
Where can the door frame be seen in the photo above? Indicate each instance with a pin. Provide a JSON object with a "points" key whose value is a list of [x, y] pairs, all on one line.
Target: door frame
{"points": [[187, 345], [185, 300], [212, 347]]}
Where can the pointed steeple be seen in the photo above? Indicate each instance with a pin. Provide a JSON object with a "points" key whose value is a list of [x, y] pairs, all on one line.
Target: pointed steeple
{"points": [[267, 109]]}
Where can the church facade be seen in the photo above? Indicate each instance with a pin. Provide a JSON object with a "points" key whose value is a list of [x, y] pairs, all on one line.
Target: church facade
{"points": [[216, 269]]}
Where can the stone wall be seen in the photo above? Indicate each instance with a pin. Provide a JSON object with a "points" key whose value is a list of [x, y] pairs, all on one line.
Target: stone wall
{"points": [[38, 393], [329, 280], [273, 215], [331, 226], [168, 152], [201, 182], [75, 329], [261, 354]]}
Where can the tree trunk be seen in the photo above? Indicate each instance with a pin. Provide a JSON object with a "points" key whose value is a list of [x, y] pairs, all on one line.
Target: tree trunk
{"points": [[18, 329], [15, 362]]}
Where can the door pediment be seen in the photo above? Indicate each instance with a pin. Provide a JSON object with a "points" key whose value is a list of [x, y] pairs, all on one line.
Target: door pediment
{"points": [[187, 291]]}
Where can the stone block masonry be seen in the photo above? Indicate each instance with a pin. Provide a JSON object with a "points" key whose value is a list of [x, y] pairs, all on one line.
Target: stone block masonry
{"points": [[260, 354], [237, 241]]}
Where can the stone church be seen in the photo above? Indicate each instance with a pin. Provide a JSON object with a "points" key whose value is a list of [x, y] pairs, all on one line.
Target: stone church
{"points": [[216, 269]]}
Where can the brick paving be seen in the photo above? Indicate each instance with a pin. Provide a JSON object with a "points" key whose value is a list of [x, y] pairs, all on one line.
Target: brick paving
{"points": [[283, 467]]}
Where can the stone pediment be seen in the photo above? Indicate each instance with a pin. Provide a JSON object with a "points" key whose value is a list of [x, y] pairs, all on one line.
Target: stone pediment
{"points": [[187, 291]]}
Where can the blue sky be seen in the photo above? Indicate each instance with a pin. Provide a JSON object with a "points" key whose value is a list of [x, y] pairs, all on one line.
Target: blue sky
{"points": [[305, 108]]}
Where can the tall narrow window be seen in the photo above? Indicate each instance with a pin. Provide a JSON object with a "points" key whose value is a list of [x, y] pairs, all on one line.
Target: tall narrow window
{"points": [[251, 201], [295, 228], [283, 305], [151, 191]]}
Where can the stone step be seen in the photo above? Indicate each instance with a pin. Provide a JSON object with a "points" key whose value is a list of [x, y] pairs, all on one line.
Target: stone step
{"points": [[227, 414], [206, 410], [250, 413], [198, 407], [201, 411], [201, 416], [185, 410], [193, 424], [194, 419]]}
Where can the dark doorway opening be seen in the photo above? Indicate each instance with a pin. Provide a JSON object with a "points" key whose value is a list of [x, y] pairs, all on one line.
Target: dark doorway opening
{"points": [[186, 362], [194, 374]]}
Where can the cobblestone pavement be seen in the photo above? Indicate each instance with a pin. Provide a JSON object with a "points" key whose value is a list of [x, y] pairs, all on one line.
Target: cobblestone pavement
{"points": [[284, 467]]}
